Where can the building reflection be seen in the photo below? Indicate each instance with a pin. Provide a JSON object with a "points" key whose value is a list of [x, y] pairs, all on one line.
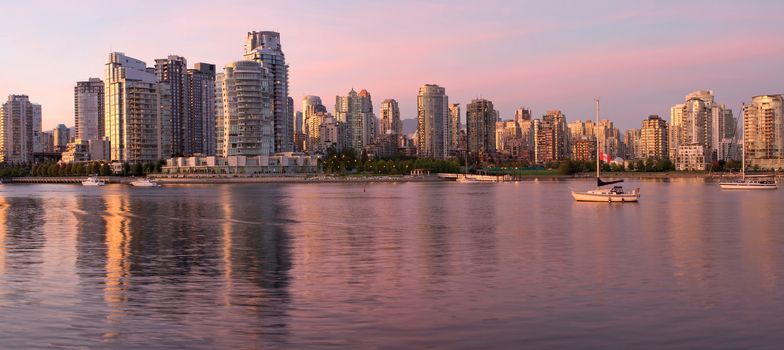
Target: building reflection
{"points": [[257, 258], [22, 239], [118, 263], [3, 230]]}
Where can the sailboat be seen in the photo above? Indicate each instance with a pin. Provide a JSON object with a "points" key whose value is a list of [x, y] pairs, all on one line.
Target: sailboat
{"points": [[465, 179], [613, 194], [760, 182]]}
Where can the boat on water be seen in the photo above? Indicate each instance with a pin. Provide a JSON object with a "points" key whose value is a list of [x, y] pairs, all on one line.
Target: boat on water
{"points": [[751, 182], [144, 182], [465, 179], [600, 194], [761, 182], [93, 181]]}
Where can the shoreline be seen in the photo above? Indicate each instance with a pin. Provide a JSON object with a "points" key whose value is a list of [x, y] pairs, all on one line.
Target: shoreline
{"points": [[303, 179]]}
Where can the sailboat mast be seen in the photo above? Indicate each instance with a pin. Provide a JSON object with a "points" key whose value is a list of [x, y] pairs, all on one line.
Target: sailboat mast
{"points": [[743, 145], [596, 136]]}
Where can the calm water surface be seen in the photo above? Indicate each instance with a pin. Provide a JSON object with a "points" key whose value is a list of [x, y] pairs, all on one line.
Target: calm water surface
{"points": [[408, 265]]}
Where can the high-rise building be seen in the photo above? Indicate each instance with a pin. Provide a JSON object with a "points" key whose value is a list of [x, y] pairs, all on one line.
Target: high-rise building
{"points": [[654, 138], [313, 112], [434, 123], [136, 111], [201, 109], [356, 111], [245, 122], [584, 148], [265, 48], [631, 141], [480, 126], [299, 132], [173, 71], [763, 132], [60, 137], [454, 127], [576, 129], [522, 113], [88, 109], [551, 137], [19, 120], [390, 118], [331, 133], [699, 120], [509, 140]]}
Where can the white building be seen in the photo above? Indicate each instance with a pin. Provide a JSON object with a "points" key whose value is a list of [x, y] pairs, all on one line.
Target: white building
{"points": [[265, 48], [244, 124], [691, 157]]}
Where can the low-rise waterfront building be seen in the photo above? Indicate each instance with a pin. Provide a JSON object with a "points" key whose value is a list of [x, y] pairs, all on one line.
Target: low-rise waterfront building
{"points": [[279, 163], [691, 157]]}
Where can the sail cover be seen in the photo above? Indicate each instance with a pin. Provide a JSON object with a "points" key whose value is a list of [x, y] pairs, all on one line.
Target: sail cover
{"points": [[600, 183]]}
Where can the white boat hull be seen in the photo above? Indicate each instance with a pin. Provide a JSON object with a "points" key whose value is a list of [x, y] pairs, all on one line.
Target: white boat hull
{"points": [[747, 186], [88, 183], [606, 196], [144, 184]]}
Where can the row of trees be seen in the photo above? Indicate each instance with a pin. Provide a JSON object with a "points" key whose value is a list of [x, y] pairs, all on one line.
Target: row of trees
{"points": [[568, 167], [341, 162], [52, 169]]}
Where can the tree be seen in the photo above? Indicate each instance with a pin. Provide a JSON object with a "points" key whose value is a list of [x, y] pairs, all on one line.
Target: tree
{"points": [[105, 170], [137, 169]]}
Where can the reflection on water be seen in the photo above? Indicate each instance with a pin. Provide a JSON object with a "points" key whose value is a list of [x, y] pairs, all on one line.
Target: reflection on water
{"points": [[399, 265]]}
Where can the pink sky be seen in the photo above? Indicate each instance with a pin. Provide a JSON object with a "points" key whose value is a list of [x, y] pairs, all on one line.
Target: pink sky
{"points": [[640, 58]]}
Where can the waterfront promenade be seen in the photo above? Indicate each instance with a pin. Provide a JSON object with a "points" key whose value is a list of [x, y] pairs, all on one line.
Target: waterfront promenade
{"points": [[359, 178]]}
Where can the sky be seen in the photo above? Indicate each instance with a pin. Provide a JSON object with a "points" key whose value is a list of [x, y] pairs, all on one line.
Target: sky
{"points": [[639, 57]]}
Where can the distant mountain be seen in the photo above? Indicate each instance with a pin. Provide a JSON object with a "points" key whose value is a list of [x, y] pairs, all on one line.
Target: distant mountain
{"points": [[409, 126]]}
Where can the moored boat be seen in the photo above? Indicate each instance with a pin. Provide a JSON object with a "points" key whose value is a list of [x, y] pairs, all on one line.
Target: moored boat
{"points": [[750, 183], [614, 194], [144, 182], [93, 181]]}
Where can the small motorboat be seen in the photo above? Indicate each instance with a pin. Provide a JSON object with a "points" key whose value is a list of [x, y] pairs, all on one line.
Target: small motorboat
{"points": [[93, 181], [144, 182]]}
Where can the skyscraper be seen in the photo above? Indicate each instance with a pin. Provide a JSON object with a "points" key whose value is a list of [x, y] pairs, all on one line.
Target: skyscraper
{"points": [[174, 71], [88, 109], [265, 48], [654, 138], [763, 132], [19, 120], [313, 112], [356, 111], [480, 126], [699, 120], [454, 126], [551, 137], [244, 126], [60, 137], [521, 114], [433, 121], [390, 118], [201, 109], [136, 115]]}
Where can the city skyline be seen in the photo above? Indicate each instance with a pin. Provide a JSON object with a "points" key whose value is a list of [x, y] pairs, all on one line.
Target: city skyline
{"points": [[639, 59]]}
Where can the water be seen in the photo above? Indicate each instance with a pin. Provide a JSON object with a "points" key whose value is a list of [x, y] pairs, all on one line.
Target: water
{"points": [[407, 265]]}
